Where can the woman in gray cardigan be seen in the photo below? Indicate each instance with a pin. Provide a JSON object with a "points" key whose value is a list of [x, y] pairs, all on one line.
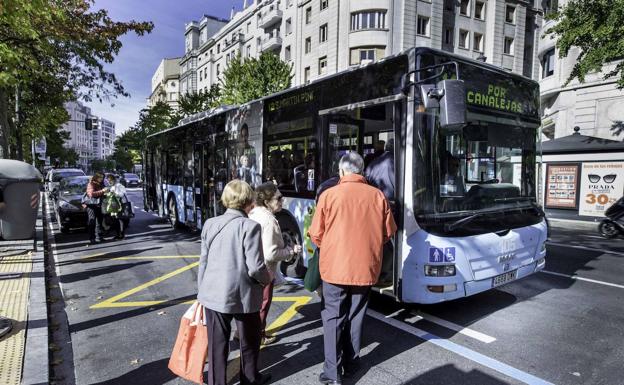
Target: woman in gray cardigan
{"points": [[230, 281]]}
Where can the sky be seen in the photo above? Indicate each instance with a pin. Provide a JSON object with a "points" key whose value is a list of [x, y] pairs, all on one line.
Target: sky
{"points": [[140, 56]]}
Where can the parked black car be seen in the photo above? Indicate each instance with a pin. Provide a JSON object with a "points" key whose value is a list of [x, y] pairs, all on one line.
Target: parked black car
{"points": [[130, 180], [68, 203]]}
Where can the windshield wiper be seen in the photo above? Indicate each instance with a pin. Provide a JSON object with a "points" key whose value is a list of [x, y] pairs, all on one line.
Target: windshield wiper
{"points": [[463, 221]]}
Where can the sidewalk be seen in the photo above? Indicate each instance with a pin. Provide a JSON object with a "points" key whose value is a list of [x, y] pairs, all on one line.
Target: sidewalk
{"points": [[24, 349]]}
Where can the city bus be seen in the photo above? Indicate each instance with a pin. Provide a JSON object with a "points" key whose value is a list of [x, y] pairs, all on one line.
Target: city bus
{"points": [[463, 141]]}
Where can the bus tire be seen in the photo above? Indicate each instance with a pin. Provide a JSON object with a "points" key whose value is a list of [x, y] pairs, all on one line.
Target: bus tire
{"points": [[172, 207]]}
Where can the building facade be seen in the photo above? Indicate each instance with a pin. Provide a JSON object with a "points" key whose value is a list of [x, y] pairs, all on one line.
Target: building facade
{"points": [[321, 37], [165, 83], [596, 107], [80, 139], [103, 138]]}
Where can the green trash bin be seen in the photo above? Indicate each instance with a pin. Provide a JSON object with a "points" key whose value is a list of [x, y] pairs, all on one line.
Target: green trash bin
{"points": [[19, 199]]}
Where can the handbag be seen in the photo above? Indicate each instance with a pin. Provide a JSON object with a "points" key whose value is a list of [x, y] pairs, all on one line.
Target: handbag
{"points": [[89, 201], [191, 347], [312, 278]]}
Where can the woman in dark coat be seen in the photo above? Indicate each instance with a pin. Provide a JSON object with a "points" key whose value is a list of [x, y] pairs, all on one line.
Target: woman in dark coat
{"points": [[95, 190], [230, 284]]}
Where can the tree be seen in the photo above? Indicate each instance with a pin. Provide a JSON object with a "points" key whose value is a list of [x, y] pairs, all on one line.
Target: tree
{"points": [[251, 78], [193, 103], [59, 47], [596, 28]]}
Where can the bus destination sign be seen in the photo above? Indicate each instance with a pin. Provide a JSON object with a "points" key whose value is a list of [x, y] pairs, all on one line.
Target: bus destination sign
{"points": [[496, 97], [292, 100]]}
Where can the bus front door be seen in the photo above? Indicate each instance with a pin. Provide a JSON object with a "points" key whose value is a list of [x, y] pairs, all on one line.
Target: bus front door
{"points": [[204, 181]]}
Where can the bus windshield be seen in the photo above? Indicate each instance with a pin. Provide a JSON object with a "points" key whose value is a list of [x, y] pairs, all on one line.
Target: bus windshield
{"points": [[485, 166]]}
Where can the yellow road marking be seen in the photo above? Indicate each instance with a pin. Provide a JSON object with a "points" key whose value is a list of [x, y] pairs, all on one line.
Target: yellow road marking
{"points": [[279, 323], [100, 257], [112, 302]]}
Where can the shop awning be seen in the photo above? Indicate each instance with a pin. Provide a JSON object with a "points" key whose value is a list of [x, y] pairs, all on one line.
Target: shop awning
{"points": [[577, 143]]}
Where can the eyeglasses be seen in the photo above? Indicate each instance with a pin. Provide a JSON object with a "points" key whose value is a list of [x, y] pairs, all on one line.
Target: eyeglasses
{"points": [[609, 178]]}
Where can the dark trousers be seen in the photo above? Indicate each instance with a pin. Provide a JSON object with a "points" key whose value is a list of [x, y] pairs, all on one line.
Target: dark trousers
{"points": [[267, 298], [118, 226], [343, 310], [219, 328], [94, 222]]}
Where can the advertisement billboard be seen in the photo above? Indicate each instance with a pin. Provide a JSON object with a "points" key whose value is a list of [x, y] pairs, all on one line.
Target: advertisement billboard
{"points": [[562, 185], [602, 183]]}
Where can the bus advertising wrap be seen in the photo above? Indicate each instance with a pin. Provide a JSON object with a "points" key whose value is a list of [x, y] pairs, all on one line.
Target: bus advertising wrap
{"points": [[602, 183]]}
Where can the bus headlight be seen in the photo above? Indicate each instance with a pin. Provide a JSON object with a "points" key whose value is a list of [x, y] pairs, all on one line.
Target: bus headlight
{"points": [[439, 270]]}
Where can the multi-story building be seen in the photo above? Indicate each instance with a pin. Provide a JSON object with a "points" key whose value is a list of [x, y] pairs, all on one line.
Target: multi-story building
{"points": [[80, 138], [198, 37], [321, 37], [165, 83], [596, 106], [103, 138]]}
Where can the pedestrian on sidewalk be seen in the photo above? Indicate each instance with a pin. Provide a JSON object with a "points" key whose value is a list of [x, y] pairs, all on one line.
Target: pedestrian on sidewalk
{"points": [[351, 223], [269, 202], [92, 202], [230, 282]]}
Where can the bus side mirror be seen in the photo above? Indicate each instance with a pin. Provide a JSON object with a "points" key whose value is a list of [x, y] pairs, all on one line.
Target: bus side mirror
{"points": [[450, 97], [452, 104]]}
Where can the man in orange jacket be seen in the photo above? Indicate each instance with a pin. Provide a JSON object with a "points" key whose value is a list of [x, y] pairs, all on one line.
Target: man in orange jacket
{"points": [[351, 224]]}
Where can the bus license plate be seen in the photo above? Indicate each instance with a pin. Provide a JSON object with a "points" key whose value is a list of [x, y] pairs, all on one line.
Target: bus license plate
{"points": [[504, 278]]}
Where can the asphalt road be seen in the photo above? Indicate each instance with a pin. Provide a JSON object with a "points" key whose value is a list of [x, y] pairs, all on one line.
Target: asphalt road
{"points": [[124, 300]]}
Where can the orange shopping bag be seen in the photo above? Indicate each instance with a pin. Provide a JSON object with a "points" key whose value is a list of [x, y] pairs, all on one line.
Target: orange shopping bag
{"points": [[191, 347]]}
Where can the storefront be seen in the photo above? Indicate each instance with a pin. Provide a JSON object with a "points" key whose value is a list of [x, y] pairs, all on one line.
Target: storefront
{"points": [[581, 176]]}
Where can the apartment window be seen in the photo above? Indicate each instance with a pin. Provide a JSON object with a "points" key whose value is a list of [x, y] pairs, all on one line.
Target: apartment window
{"points": [[322, 65], [323, 33], [510, 14], [324, 4], [508, 46], [448, 36], [423, 26], [366, 53], [258, 43], [368, 20], [288, 26], [249, 50], [308, 44], [308, 15], [306, 75], [248, 26], [287, 53], [464, 7], [218, 48], [548, 63], [463, 38], [218, 69], [550, 6], [479, 10], [477, 43], [258, 20]]}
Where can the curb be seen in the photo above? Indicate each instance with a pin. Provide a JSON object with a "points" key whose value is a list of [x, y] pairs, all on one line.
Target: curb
{"points": [[35, 370]]}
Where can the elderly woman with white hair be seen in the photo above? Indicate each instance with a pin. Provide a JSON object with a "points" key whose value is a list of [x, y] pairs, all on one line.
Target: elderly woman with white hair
{"points": [[230, 281]]}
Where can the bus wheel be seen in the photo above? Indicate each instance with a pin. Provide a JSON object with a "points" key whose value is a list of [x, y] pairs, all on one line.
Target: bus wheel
{"points": [[294, 268], [173, 213]]}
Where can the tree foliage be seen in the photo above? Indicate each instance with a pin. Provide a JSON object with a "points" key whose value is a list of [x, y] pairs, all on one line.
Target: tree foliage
{"points": [[252, 78], [193, 103], [53, 51], [596, 28]]}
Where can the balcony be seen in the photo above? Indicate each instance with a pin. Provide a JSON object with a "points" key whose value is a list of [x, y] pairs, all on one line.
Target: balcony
{"points": [[271, 17], [238, 38], [272, 42]]}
